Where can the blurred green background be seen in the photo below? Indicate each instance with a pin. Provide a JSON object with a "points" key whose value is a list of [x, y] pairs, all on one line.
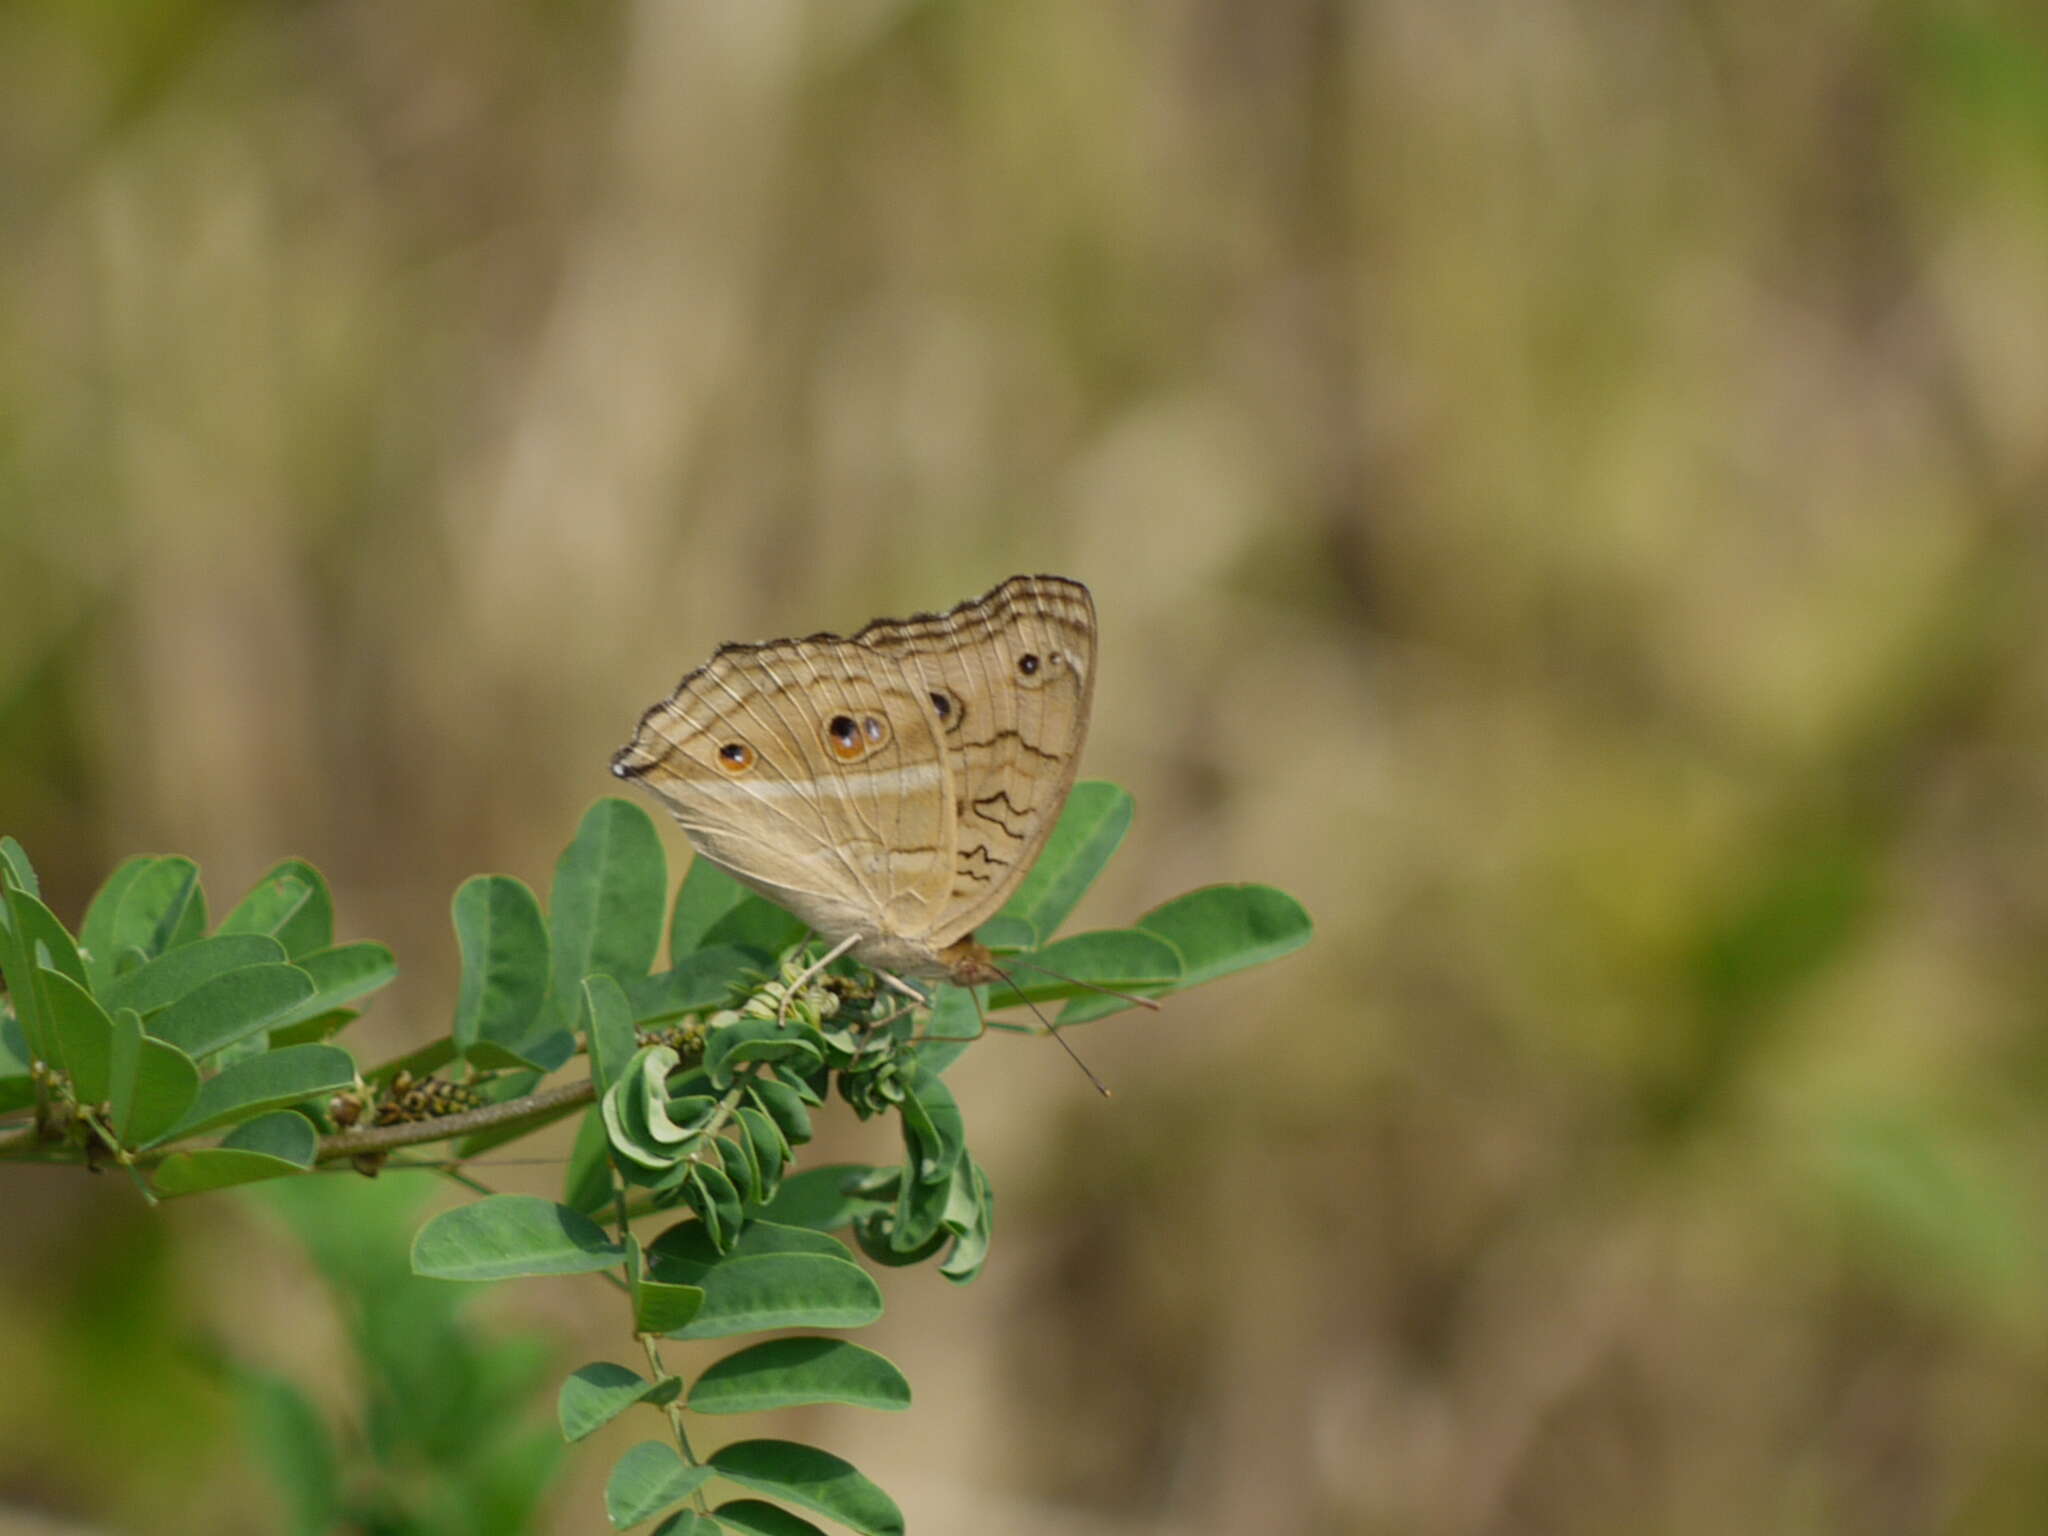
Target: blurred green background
{"points": [[1563, 484]]}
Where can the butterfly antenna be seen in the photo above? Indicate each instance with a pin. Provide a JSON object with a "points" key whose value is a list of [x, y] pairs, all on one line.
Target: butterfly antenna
{"points": [[1092, 986], [1053, 1030]]}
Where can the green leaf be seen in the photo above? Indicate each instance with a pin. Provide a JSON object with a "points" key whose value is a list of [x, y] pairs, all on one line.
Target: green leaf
{"points": [[587, 1184], [1124, 958], [1218, 929], [706, 895], [15, 857], [286, 1134], [193, 1173], [658, 1307], [162, 981], [751, 1517], [785, 1106], [293, 1442], [160, 908], [32, 944], [662, 1308], [1006, 935], [1097, 816], [81, 1034], [788, 1373], [703, 980], [17, 1088], [781, 1290], [1225, 928], [687, 1522], [505, 961], [45, 938], [259, 1083], [316, 1027], [227, 1008], [625, 1105], [715, 1200], [96, 933], [818, 1198], [341, 974], [503, 1236], [934, 1133], [734, 1045], [18, 970], [647, 1480], [735, 1149], [290, 904], [597, 1393], [608, 1029], [758, 925], [920, 1211], [973, 1226], [686, 1251], [605, 908], [804, 1475], [770, 1152], [151, 1084]]}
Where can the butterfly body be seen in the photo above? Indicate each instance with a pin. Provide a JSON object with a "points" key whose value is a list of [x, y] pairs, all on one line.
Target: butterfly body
{"points": [[891, 788]]}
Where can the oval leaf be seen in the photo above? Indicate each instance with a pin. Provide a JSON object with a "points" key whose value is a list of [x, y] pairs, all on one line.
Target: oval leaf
{"points": [[505, 961], [605, 908], [782, 1290], [164, 980], [291, 904], [340, 975], [192, 1173], [96, 933], [751, 1517], [152, 1084], [819, 1198], [608, 1030], [597, 1393], [699, 981], [231, 1007], [1124, 958], [81, 1036], [813, 1478], [268, 1081], [786, 1373], [1218, 929], [647, 1480], [502, 1236], [706, 895], [285, 1134], [159, 909]]}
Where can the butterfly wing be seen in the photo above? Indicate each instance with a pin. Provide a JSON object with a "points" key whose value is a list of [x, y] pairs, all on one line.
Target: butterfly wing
{"points": [[1009, 678], [811, 770]]}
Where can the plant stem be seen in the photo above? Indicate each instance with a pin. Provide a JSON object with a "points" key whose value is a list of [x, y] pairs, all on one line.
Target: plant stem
{"points": [[28, 1144]]}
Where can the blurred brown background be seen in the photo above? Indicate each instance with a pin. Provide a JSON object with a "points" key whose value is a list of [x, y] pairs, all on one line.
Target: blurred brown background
{"points": [[1563, 487]]}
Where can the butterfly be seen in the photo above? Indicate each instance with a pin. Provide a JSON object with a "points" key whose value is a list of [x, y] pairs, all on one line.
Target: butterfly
{"points": [[893, 787]]}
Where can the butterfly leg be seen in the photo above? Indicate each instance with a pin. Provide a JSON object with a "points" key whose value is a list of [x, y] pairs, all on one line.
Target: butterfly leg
{"points": [[804, 976], [896, 983]]}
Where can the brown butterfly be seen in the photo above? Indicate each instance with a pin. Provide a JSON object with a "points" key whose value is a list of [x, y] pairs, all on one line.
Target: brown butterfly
{"points": [[890, 788]]}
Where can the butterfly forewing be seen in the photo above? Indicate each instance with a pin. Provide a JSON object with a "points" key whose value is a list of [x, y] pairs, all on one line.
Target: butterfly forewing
{"points": [[812, 774]]}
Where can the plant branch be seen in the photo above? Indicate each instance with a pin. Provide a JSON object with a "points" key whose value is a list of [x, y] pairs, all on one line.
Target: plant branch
{"points": [[29, 1144]]}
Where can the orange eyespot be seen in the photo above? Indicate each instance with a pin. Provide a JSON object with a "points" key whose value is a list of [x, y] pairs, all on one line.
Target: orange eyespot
{"points": [[851, 739], [735, 757]]}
